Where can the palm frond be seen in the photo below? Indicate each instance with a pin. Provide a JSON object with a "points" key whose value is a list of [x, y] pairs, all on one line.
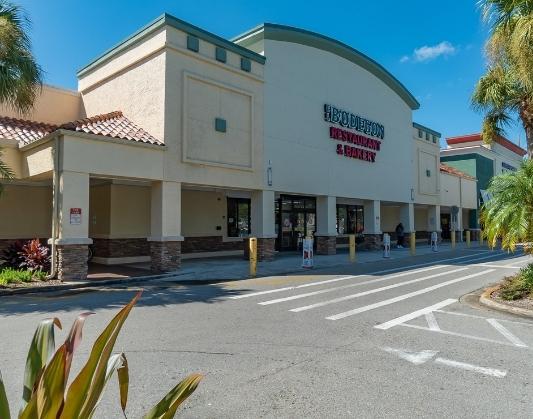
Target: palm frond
{"points": [[20, 75]]}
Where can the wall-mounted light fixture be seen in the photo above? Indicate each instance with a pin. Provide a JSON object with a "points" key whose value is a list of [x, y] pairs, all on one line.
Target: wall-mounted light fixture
{"points": [[412, 194], [269, 173]]}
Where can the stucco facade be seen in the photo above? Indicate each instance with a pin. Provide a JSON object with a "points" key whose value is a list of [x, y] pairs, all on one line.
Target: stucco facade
{"points": [[183, 144]]}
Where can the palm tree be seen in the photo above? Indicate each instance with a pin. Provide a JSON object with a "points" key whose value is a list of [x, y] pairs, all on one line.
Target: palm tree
{"points": [[20, 75], [507, 87], [508, 215]]}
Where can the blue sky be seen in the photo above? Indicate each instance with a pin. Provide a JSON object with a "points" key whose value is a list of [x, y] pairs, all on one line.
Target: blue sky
{"points": [[434, 48]]}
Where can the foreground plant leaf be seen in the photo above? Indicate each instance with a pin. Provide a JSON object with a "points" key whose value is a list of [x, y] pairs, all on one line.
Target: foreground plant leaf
{"points": [[86, 389], [123, 383], [166, 408], [119, 364], [48, 396], [42, 348], [4, 405]]}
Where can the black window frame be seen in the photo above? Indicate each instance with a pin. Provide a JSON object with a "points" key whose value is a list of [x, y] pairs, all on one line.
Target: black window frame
{"points": [[232, 211], [359, 219]]}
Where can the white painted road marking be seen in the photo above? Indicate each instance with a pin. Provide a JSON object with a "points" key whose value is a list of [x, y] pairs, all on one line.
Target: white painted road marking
{"points": [[405, 296], [344, 278], [372, 281], [373, 291], [506, 333], [432, 321], [470, 367], [416, 358], [415, 314]]}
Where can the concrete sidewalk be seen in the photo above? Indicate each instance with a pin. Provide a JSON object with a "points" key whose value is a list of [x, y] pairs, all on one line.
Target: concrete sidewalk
{"points": [[233, 268]]}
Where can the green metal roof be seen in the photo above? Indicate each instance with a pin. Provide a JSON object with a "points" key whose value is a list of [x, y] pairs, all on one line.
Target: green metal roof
{"points": [[301, 36], [422, 127]]}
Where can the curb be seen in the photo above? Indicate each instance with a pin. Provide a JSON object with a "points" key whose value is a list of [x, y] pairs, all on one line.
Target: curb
{"points": [[7, 292], [486, 300]]}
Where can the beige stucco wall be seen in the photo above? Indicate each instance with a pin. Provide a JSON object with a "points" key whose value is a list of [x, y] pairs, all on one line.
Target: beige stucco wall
{"points": [[421, 219], [426, 157], [130, 211], [100, 211], [468, 193], [198, 89], [202, 212], [26, 212], [37, 161], [53, 105], [299, 81], [458, 191], [11, 157], [390, 217]]}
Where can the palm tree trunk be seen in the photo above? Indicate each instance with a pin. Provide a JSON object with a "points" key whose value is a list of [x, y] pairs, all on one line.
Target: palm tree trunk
{"points": [[526, 115]]}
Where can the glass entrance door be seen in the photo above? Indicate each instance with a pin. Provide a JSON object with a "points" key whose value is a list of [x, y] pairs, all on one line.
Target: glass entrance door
{"points": [[296, 220]]}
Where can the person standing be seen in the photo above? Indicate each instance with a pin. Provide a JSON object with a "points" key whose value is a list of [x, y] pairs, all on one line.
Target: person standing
{"points": [[400, 236]]}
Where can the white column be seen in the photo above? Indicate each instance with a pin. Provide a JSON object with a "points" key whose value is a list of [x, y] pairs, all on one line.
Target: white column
{"points": [[372, 214], [326, 214], [407, 217], [434, 218], [165, 215], [263, 214], [73, 208], [460, 224]]}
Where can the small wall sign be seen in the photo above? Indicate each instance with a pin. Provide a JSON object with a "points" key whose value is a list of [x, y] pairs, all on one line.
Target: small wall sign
{"points": [[75, 216]]}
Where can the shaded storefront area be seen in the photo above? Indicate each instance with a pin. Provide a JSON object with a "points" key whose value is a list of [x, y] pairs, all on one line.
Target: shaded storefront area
{"points": [[295, 220]]}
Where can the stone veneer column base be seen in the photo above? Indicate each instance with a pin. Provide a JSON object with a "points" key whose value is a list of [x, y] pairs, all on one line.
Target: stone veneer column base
{"points": [[265, 249], [165, 256], [326, 245], [72, 262], [373, 241]]}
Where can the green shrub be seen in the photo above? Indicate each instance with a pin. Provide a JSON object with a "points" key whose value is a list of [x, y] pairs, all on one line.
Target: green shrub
{"points": [[519, 286], [10, 275]]}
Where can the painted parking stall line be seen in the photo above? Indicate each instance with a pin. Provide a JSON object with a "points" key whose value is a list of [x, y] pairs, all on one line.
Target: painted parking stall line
{"points": [[405, 296], [358, 284], [470, 367], [407, 317], [374, 291], [472, 258]]}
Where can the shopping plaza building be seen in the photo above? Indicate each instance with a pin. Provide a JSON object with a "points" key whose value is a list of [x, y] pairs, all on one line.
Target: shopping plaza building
{"points": [[180, 144]]}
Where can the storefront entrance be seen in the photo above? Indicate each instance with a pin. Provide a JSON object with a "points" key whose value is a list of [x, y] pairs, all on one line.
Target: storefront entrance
{"points": [[445, 223], [295, 220]]}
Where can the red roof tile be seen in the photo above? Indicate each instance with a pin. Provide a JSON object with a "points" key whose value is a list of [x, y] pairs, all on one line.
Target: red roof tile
{"points": [[113, 125], [444, 168], [24, 131], [504, 142]]}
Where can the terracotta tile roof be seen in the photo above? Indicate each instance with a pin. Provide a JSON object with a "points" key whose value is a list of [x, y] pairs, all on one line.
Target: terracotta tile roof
{"points": [[113, 125], [444, 168], [504, 142], [24, 131]]}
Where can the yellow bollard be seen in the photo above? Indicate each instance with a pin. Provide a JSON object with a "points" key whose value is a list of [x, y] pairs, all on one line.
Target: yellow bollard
{"points": [[453, 239], [412, 241], [480, 237], [352, 248], [253, 256], [467, 238]]}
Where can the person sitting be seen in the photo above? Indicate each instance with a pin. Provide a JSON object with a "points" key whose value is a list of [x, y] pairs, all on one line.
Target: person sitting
{"points": [[400, 235]]}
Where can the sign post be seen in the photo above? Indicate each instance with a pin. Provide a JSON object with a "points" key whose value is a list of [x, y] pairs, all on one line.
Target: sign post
{"points": [[307, 253], [352, 248], [386, 246], [253, 256]]}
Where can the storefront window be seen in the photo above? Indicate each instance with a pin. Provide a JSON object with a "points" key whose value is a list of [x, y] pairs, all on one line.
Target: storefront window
{"points": [[350, 219], [239, 220]]}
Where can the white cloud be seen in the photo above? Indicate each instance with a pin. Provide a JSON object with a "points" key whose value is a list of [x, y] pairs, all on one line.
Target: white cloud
{"points": [[427, 53]]}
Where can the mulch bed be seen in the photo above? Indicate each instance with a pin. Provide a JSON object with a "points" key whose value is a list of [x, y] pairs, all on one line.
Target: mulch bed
{"points": [[525, 303], [32, 284]]}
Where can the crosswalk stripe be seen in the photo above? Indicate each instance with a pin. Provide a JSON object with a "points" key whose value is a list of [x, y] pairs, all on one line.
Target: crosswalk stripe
{"points": [[373, 291], [372, 281], [344, 278], [405, 296]]}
